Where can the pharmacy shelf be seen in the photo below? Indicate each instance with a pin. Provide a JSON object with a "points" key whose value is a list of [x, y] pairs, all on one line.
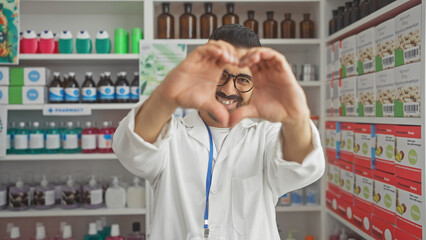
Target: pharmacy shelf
{"points": [[378, 120], [298, 209], [349, 225], [309, 83], [95, 106], [245, 1], [262, 41], [78, 57], [100, 1], [60, 157], [56, 212], [379, 16]]}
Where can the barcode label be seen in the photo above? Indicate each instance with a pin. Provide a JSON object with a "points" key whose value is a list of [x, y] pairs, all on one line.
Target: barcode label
{"points": [[350, 110], [368, 66], [388, 108], [388, 61], [368, 109], [411, 108], [411, 53], [350, 70]]}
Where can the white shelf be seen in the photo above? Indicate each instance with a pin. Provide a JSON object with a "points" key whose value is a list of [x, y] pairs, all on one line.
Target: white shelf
{"points": [[309, 83], [263, 41], [94, 106], [289, 1], [349, 225], [298, 209], [59, 157], [378, 120], [81, 1], [71, 212], [79, 57]]}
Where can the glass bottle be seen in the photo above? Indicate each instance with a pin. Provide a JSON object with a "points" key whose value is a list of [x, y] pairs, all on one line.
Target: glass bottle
{"points": [[339, 18], [72, 89], [355, 11], [332, 23], [187, 23], [134, 88], [373, 5], [56, 90], [88, 89], [363, 9], [288, 27], [208, 21], [122, 88], [383, 3], [165, 23], [230, 17], [307, 27], [251, 22], [270, 26], [347, 14]]}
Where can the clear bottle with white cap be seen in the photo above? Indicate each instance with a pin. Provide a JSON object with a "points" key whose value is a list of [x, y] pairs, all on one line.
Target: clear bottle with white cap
{"points": [[115, 233], [70, 139], [92, 194], [115, 196], [70, 194], [44, 195], [21, 139], [136, 194], [53, 138], [36, 139], [93, 233], [19, 196]]}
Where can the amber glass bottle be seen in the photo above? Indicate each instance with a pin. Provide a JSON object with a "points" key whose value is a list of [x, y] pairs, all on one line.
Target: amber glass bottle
{"points": [[339, 18], [270, 26], [165, 23], [373, 5], [347, 14], [288, 27], [251, 22], [363, 9], [307, 27], [208, 21], [187, 23], [355, 11], [230, 17]]}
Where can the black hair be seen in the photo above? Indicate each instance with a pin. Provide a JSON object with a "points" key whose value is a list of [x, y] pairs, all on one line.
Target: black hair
{"points": [[237, 35]]}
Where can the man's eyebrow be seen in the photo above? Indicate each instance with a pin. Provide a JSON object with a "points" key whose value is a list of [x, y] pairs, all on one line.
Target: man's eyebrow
{"points": [[244, 75]]}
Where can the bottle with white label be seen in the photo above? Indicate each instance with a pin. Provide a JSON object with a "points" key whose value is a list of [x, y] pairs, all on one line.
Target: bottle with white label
{"points": [[44, 195], [72, 89], [136, 194], [21, 139], [88, 89], [105, 138], [19, 197], [36, 136], [10, 137], [56, 89], [70, 139], [40, 233], [122, 88], [89, 138], [106, 89], [115, 196], [15, 234], [134, 88], [70, 194], [53, 139], [92, 194]]}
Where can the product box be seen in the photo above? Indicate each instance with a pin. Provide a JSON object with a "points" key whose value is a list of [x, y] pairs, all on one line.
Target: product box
{"points": [[344, 209], [363, 188], [384, 37], [366, 95], [362, 220], [331, 200], [348, 94], [328, 100], [384, 196], [409, 206], [346, 182], [407, 83], [347, 141], [27, 95], [382, 230], [335, 96], [385, 148], [4, 95], [365, 48], [408, 36], [403, 235], [4, 76], [16, 76], [364, 147], [332, 139], [336, 71], [329, 54], [348, 57], [409, 156], [385, 93], [35, 76], [333, 179]]}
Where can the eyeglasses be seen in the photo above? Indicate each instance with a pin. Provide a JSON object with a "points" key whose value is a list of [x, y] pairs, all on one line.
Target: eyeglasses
{"points": [[242, 82]]}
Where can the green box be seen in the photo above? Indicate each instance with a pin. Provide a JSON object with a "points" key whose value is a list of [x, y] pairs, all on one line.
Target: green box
{"points": [[15, 95], [16, 77]]}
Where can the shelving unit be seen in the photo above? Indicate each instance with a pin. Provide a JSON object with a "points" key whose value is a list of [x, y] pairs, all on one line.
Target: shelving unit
{"points": [[58, 212], [301, 209], [349, 225], [93, 106], [59, 157]]}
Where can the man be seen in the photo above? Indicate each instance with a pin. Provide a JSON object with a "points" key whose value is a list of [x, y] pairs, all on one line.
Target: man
{"points": [[253, 163]]}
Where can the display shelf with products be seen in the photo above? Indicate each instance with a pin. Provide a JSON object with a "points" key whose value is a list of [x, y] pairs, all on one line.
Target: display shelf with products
{"points": [[55, 212], [59, 157], [298, 209], [93, 106], [79, 57], [376, 120], [349, 225]]}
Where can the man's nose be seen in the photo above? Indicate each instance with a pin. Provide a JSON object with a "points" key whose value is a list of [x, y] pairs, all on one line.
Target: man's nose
{"points": [[229, 88]]}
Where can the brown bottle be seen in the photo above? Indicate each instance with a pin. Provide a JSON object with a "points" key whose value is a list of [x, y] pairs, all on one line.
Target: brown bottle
{"points": [[373, 5], [288, 27], [251, 22], [347, 14], [187, 23], [339, 18], [270, 26], [307, 27], [355, 11], [208, 22], [363, 9], [230, 17], [165, 23]]}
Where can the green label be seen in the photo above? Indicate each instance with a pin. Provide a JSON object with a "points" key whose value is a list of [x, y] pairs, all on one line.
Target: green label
{"points": [[379, 109], [398, 109], [379, 63], [412, 157], [415, 213], [343, 110], [349, 145], [366, 192], [364, 148], [360, 68], [360, 110], [399, 57], [388, 200], [332, 142], [343, 68], [389, 151], [348, 185], [336, 179]]}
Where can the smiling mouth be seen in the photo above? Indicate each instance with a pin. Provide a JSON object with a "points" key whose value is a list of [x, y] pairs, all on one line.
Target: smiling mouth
{"points": [[226, 102]]}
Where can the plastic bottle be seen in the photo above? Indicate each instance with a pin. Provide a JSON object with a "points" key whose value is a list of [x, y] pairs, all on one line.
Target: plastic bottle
{"points": [[83, 43], [136, 194], [285, 200], [88, 89], [67, 233], [44, 195], [89, 138], [106, 89], [115, 233], [29, 42], [47, 42], [134, 88], [115, 196], [36, 139], [66, 44], [297, 197], [72, 89], [56, 90], [92, 195], [62, 225], [41, 233], [3, 194], [10, 138], [57, 185], [21, 139], [19, 196], [56, 38], [79, 131], [70, 139], [103, 42], [290, 235], [53, 139], [312, 194], [105, 138], [70, 197], [21, 34], [15, 233], [100, 229], [92, 234], [343, 235], [122, 88], [136, 234]]}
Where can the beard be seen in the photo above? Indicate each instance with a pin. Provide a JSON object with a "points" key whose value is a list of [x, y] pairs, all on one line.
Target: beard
{"points": [[236, 98]]}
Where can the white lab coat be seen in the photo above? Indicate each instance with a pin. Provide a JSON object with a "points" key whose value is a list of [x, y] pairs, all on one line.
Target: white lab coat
{"points": [[249, 176]]}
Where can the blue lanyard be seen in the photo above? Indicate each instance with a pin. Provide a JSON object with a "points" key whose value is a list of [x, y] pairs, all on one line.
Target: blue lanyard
{"points": [[208, 183]]}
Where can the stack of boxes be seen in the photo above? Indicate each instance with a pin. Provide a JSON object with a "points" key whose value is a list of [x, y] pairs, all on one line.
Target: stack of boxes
{"points": [[24, 85], [4, 85]]}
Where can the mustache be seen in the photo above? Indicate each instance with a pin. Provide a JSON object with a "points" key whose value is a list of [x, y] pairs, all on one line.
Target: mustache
{"points": [[231, 97]]}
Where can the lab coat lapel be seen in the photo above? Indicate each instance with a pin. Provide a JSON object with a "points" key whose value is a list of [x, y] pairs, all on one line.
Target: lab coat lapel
{"points": [[197, 129]]}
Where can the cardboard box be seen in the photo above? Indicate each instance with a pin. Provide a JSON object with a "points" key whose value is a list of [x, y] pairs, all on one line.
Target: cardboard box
{"points": [[385, 148], [382, 230], [4, 95], [408, 28], [384, 196], [365, 48], [364, 147], [409, 206], [336, 71], [27, 95], [36, 76], [407, 83], [348, 57], [363, 188], [403, 235], [329, 52], [347, 141], [346, 182], [362, 220], [366, 95], [384, 37], [331, 139], [328, 99], [409, 154], [331, 200], [385, 93], [348, 97], [4, 76], [333, 179], [16, 76], [345, 209], [335, 96]]}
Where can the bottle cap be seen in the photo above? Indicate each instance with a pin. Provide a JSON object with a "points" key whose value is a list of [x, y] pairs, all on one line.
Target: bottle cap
{"points": [[70, 124], [115, 230], [65, 35], [92, 181], [62, 224], [89, 74], [102, 34], [46, 34], [15, 233], [88, 124], [36, 124], [115, 181], [83, 35], [52, 124], [92, 228], [57, 74], [99, 226], [107, 74], [136, 227], [290, 234], [67, 233], [120, 31], [40, 233], [29, 34], [19, 183], [9, 227], [309, 237], [70, 181], [105, 124], [71, 74], [44, 182], [21, 124]]}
